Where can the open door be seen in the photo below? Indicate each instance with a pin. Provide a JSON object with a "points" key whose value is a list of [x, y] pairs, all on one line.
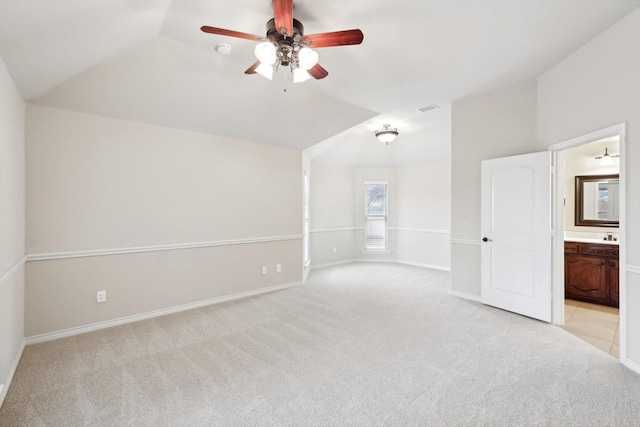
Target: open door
{"points": [[516, 234]]}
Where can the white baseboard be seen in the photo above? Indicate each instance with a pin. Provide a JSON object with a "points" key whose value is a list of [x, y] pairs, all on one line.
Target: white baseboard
{"points": [[4, 388], [376, 260], [465, 295], [331, 264], [151, 314], [418, 264], [381, 260], [635, 367]]}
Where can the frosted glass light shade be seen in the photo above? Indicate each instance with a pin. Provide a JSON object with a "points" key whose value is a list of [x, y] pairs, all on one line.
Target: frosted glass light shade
{"points": [[300, 75], [386, 134], [606, 160], [387, 137], [265, 70], [266, 53], [307, 58]]}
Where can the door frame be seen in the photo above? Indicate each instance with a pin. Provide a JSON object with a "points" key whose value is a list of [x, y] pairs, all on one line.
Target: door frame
{"points": [[557, 251]]}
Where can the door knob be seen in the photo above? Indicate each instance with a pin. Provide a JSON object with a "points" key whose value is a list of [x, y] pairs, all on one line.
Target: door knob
{"points": [[486, 239]]}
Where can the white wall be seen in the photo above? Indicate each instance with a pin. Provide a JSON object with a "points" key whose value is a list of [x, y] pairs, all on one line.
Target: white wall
{"points": [[596, 87], [113, 187], [419, 214], [12, 227], [424, 215], [494, 124], [306, 172]]}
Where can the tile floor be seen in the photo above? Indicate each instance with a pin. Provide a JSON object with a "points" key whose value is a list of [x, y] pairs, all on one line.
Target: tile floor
{"points": [[596, 324]]}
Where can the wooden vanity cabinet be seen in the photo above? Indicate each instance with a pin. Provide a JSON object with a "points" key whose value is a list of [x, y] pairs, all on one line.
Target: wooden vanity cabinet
{"points": [[591, 272], [614, 281]]}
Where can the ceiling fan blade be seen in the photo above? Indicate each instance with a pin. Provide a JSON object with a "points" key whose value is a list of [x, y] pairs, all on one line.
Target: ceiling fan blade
{"points": [[318, 72], [283, 14], [252, 69], [336, 38], [230, 33]]}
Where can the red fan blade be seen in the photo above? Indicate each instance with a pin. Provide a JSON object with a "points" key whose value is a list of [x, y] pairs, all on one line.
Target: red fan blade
{"points": [[317, 72], [336, 38], [283, 13], [252, 69], [230, 33]]}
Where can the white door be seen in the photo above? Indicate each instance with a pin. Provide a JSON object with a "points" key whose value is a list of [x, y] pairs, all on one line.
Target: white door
{"points": [[516, 234]]}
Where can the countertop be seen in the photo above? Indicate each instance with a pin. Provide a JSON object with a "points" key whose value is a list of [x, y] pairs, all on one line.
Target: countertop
{"points": [[588, 240]]}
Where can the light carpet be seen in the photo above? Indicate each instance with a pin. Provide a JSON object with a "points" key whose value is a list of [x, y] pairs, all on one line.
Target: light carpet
{"points": [[357, 345]]}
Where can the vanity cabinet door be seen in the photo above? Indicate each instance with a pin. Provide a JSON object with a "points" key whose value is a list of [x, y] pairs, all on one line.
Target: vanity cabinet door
{"points": [[614, 281], [585, 277]]}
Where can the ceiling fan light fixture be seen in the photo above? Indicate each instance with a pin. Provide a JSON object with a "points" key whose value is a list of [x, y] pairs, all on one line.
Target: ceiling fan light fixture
{"points": [[265, 71], [300, 75], [307, 58], [285, 44], [386, 134], [266, 53]]}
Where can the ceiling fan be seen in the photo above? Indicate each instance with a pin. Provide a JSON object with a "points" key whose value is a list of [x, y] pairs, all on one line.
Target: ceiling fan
{"points": [[285, 44]]}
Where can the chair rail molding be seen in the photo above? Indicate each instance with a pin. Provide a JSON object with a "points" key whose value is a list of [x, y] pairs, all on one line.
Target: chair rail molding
{"points": [[14, 268], [156, 248], [465, 242]]}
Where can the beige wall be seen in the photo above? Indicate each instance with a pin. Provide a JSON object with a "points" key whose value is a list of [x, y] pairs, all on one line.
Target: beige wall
{"points": [[494, 124], [331, 215], [596, 87], [61, 293], [12, 226], [95, 183], [112, 186]]}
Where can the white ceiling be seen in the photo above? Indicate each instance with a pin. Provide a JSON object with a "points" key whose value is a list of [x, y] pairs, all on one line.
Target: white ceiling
{"points": [[147, 60]]}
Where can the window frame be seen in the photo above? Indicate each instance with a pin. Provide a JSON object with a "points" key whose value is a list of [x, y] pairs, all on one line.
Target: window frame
{"points": [[305, 224], [385, 216]]}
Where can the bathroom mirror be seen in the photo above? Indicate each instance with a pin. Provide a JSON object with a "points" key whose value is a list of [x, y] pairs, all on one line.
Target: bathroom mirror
{"points": [[597, 201]]}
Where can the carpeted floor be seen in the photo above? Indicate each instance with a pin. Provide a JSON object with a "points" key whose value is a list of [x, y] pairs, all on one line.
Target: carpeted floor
{"points": [[358, 345]]}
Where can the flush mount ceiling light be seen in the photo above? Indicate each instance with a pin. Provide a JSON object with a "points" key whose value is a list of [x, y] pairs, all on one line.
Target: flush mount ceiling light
{"points": [[386, 134], [606, 159]]}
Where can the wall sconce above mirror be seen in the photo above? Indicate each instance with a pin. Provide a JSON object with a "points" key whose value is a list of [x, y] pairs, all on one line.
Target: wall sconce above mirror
{"points": [[597, 201]]}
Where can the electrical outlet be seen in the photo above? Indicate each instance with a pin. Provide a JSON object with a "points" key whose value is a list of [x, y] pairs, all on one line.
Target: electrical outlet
{"points": [[335, 250], [264, 269], [101, 296], [278, 268]]}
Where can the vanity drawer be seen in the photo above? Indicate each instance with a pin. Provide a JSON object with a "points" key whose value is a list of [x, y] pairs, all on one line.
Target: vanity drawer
{"points": [[571, 247], [609, 251]]}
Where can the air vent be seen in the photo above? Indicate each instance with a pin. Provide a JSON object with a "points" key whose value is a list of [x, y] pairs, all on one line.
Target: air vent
{"points": [[428, 107]]}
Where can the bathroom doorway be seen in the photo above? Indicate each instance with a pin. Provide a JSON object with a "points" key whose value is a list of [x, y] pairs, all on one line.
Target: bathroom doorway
{"points": [[593, 250]]}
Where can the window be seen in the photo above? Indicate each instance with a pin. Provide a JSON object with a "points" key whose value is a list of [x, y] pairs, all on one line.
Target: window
{"points": [[305, 227], [375, 197]]}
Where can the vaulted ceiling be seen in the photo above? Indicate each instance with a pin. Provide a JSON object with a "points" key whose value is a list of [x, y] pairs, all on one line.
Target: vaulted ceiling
{"points": [[148, 61]]}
